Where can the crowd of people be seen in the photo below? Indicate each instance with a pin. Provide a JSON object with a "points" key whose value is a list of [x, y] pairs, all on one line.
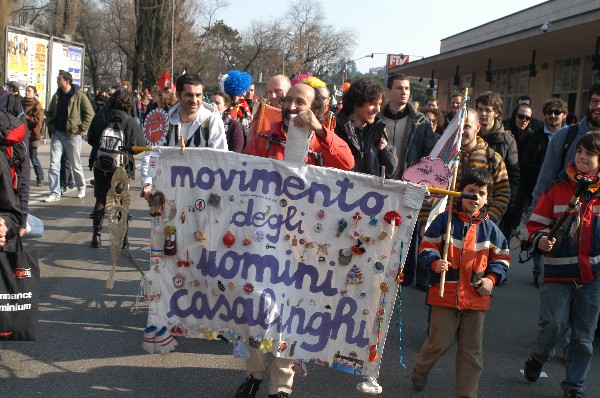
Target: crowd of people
{"points": [[519, 169]]}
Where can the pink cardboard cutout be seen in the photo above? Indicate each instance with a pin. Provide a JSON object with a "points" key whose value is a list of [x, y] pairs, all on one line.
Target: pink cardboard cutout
{"points": [[429, 172]]}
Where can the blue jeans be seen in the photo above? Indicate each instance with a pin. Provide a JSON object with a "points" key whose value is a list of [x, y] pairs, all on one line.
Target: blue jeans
{"points": [[413, 271], [35, 162], [72, 148], [567, 305], [538, 262]]}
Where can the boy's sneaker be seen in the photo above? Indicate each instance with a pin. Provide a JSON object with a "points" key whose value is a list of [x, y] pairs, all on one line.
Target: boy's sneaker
{"points": [[533, 369], [419, 382], [280, 394], [248, 388], [369, 386], [81, 193], [52, 198]]}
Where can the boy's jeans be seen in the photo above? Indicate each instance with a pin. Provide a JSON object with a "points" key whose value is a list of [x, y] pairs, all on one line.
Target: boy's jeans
{"points": [[564, 305]]}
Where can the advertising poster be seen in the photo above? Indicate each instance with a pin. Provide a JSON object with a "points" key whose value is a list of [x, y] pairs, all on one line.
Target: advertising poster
{"points": [[27, 62], [68, 57]]}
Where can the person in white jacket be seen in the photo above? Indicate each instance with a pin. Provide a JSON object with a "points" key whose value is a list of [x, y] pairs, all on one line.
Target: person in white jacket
{"points": [[198, 123]]}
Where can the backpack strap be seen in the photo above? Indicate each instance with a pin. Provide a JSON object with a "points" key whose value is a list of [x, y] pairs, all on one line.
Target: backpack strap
{"points": [[173, 128], [202, 129], [571, 133], [196, 138]]}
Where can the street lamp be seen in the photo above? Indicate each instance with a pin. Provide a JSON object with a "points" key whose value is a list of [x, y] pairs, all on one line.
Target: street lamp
{"points": [[289, 34]]}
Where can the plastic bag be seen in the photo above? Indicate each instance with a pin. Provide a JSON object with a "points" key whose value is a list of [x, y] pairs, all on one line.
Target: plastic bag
{"points": [[35, 227]]}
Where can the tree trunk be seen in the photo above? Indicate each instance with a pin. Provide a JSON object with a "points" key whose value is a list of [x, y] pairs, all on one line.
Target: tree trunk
{"points": [[151, 40]]}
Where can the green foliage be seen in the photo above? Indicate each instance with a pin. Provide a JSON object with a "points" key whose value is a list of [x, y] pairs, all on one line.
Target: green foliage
{"points": [[417, 91]]}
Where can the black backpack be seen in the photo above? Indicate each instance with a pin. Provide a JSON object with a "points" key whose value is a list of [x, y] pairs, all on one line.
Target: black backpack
{"points": [[108, 154]]}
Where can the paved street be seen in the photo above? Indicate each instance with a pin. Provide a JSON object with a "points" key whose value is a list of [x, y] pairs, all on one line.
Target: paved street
{"points": [[90, 337]]}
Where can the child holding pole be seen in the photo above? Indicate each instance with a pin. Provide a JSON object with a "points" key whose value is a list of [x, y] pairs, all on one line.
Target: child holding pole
{"points": [[562, 227], [478, 259]]}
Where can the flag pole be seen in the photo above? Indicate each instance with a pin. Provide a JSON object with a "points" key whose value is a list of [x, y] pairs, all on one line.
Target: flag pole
{"points": [[451, 205], [448, 231], [262, 114]]}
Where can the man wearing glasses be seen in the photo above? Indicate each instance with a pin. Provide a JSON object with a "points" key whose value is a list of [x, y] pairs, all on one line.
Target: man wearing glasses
{"points": [[553, 161]]}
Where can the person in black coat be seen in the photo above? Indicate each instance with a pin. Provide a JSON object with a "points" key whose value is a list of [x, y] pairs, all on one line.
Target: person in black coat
{"points": [[365, 133], [118, 109]]}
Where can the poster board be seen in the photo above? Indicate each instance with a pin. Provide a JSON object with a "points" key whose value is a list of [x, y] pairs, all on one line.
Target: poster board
{"points": [[27, 60], [296, 260], [68, 56]]}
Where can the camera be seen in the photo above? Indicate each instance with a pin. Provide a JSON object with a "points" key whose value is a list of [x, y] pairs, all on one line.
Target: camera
{"points": [[546, 26]]}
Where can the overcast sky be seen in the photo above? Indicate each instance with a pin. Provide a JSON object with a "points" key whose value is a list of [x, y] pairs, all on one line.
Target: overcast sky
{"points": [[387, 26]]}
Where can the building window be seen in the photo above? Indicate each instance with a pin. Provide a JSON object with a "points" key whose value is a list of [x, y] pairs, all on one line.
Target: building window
{"points": [[518, 83], [566, 79], [499, 80], [510, 83], [589, 77]]}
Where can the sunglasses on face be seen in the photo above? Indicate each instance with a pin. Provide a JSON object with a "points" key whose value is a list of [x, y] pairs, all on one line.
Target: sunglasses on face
{"points": [[554, 112], [524, 117]]}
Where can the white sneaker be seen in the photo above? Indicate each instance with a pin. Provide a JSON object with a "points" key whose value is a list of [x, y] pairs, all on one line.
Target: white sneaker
{"points": [[52, 198], [369, 386], [81, 193]]}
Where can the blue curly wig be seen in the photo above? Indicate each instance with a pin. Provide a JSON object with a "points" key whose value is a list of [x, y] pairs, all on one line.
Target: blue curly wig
{"points": [[237, 83]]}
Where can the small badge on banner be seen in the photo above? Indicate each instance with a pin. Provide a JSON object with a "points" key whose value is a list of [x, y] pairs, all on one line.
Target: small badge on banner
{"points": [[153, 164], [413, 197]]}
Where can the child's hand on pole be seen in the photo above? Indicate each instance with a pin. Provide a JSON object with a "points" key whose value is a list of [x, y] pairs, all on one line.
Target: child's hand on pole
{"points": [[442, 266], [546, 244]]}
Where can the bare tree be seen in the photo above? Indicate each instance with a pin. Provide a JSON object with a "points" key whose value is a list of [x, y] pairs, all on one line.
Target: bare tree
{"points": [[120, 24], [315, 45], [7, 6], [66, 17], [262, 48]]}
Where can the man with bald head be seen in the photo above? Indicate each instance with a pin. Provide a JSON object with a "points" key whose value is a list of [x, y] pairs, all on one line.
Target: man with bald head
{"points": [[325, 149], [475, 152], [277, 88]]}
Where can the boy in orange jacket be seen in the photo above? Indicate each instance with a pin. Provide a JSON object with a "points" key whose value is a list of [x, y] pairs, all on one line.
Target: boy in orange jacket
{"points": [[478, 259]]}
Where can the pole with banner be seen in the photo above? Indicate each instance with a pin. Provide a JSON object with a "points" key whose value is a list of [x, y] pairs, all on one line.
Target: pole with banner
{"points": [[463, 115]]}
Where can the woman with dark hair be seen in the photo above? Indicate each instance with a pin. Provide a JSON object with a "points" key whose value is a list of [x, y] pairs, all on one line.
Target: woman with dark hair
{"points": [[160, 99], [520, 123], [233, 129], [115, 115], [363, 130], [34, 114], [436, 117]]}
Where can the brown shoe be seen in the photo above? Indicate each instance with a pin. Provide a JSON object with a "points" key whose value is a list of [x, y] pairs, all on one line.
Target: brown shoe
{"points": [[419, 382]]}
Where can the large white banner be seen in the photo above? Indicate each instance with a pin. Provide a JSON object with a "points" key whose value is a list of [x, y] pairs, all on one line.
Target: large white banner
{"points": [[297, 260]]}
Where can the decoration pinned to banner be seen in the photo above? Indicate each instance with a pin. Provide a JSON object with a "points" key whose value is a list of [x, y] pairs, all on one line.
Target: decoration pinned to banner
{"points": [[156, 126]]}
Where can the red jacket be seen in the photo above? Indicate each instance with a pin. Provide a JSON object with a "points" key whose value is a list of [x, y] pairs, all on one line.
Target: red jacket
{"points": [[572, 260], [477, 249], [332, 151]]}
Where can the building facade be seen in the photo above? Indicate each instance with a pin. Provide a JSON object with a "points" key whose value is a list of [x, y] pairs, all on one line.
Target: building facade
{"points": [[548, 50]]}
